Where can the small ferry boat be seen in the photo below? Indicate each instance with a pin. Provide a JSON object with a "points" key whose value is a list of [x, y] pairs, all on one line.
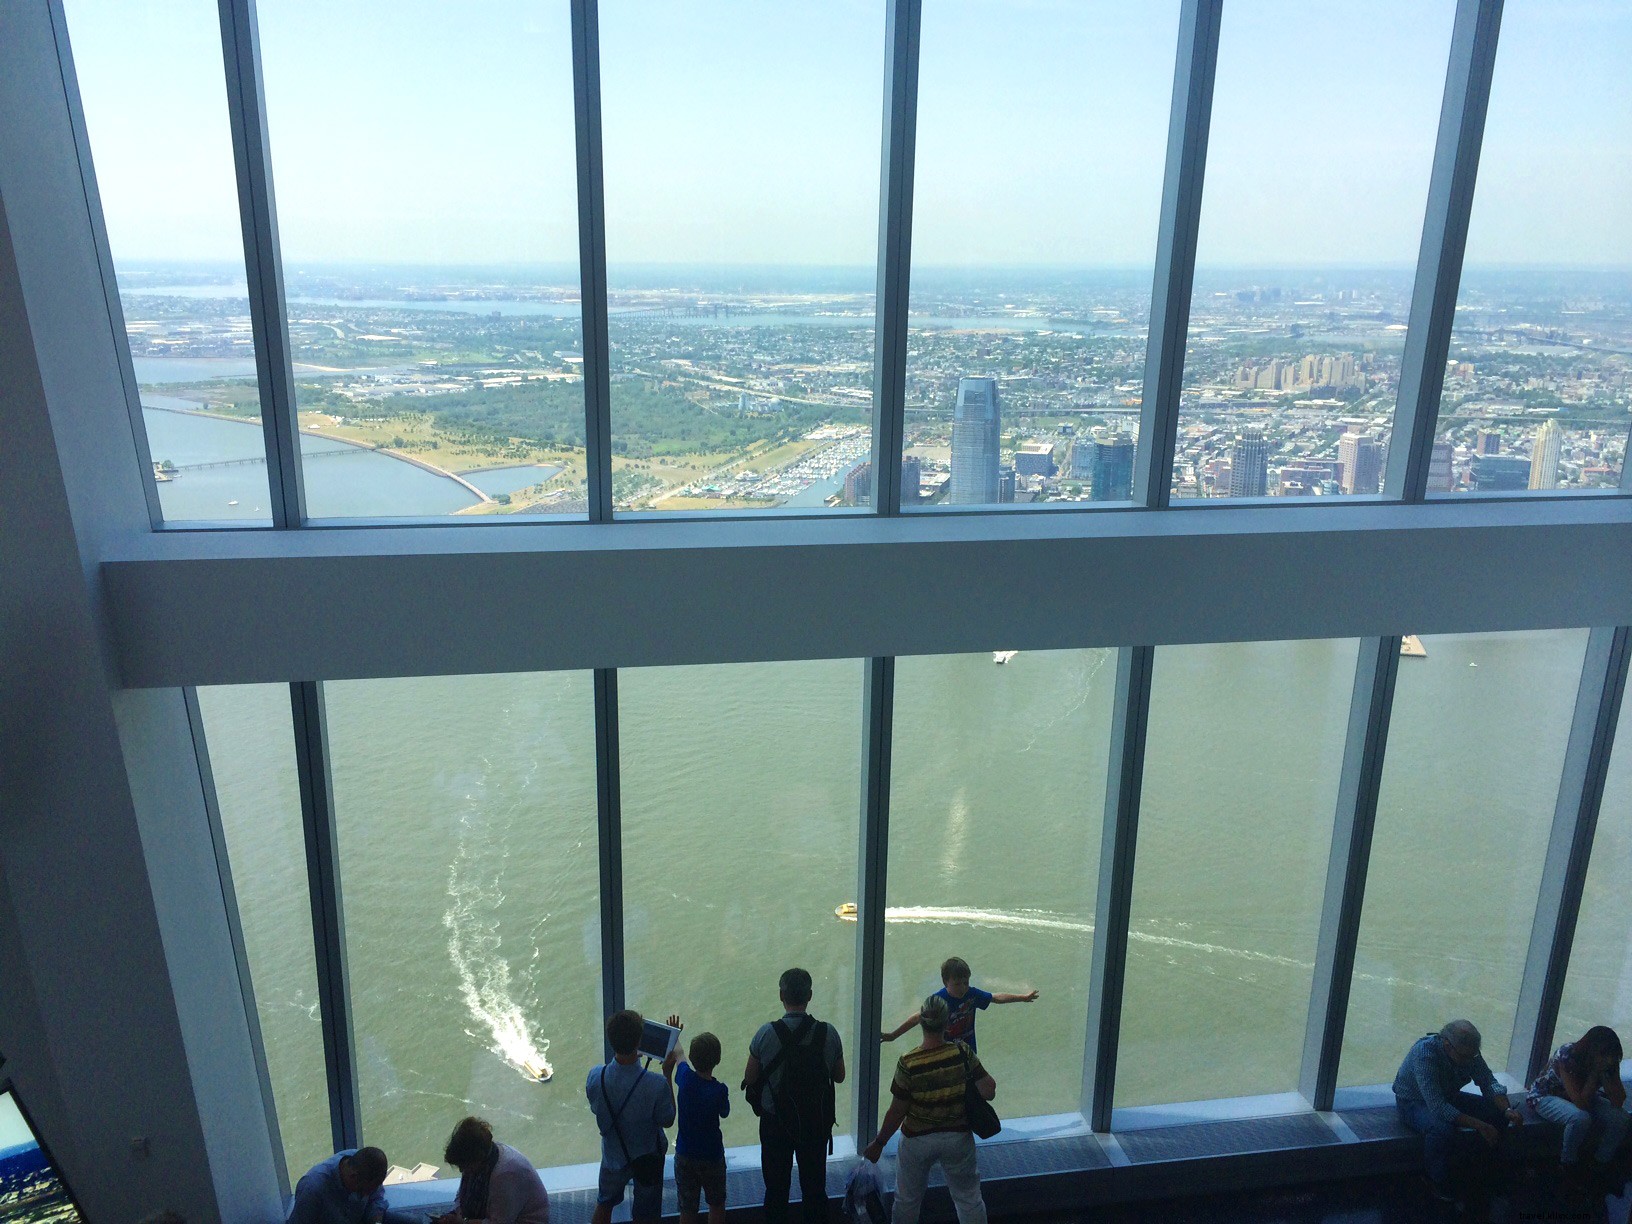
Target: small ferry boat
{"points": [[233, 502], [1003, 656], [847, 911], [539, 1072]]}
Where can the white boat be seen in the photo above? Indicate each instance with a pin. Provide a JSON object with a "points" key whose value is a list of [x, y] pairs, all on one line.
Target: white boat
{"points": [[1003, 656], [847, 911], [233, 502]]}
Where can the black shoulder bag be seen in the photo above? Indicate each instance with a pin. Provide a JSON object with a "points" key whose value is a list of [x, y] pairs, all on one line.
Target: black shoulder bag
{"points": [[983, 1119], [647, 1169]]}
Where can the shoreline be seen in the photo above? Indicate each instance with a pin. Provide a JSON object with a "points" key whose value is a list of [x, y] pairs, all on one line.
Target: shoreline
{"points": [[481, 498]]}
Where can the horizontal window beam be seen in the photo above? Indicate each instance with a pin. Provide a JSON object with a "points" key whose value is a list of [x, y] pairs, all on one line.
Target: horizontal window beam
{"points": [[189, 608]]}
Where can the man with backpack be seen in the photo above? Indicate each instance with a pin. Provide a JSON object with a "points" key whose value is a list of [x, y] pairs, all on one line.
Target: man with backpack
{"points": [[793, 1064]]}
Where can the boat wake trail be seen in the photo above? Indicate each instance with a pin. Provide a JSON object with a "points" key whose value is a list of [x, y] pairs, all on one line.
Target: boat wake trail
{"points": [[1045, 920], [472, 924]]}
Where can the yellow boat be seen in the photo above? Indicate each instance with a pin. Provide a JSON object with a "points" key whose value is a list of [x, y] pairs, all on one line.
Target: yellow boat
{"points": [[847, 911], [539, 1072]]}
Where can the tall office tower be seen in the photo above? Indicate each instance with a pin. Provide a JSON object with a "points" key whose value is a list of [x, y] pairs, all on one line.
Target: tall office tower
{"points": [[1006, 485], [1544, 456], [1111, 470], [858, 485], [1441, 472], [1487, 443], [1362, 458], [1249, 464], [912, 480], [976, 427]]}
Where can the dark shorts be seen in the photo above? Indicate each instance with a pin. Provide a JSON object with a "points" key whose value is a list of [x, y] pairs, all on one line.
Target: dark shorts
{"points": [[694, 1178]]}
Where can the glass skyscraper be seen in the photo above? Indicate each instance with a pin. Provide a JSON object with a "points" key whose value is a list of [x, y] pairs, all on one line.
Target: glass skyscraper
{"points": [[1110, 470], [976, 427], [1249, 464]]}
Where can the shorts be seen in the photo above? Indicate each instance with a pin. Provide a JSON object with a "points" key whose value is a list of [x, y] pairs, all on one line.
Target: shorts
{"points": [[648, 1204], [695, 1178]]}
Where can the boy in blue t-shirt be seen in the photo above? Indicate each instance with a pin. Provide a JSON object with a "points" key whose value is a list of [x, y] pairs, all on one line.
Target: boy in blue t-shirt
{"points": [[699, 1149], [962, 1001]]}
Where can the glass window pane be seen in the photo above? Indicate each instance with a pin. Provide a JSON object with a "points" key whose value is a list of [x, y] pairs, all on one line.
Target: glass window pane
{"points": [[470, 875], [154, 92], [31, 1189], [741, 793], [427, 205], [1537, 391], [1242, 759], [1475, 749], [1598, 987], [1030, 280], [997, 798], [252, 756], [742, 155], [1310, 223]]}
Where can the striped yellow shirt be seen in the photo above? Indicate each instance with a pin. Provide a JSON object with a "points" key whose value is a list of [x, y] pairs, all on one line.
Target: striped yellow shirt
{"points": [[931, 1082]]}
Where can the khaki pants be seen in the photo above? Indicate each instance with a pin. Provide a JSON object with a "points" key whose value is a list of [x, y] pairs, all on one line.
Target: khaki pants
{"points": [[955, 1152]]}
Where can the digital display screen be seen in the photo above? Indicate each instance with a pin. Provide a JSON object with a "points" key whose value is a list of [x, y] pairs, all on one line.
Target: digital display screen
{"points": [[656, 1040], [30, 1190]]}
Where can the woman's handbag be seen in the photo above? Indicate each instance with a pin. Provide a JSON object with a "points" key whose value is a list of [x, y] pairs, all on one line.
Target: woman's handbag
{"points": [[983, 1119]]}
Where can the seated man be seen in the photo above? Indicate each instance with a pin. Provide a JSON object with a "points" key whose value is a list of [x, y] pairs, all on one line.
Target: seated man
{"points": [[1428, 1092], [344, 1189]]}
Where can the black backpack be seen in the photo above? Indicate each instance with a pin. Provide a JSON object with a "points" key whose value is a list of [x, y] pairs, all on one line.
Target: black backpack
{"points": [[803, 1096]]}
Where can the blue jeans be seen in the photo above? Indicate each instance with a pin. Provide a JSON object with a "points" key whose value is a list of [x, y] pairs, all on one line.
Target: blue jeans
{"points": [[1610, 1121], [1443, 1141]]}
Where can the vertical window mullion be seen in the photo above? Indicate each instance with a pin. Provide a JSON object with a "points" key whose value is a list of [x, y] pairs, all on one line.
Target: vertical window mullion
{"points": [[1176, 251], [263, 262], [586, 81], [1569, 849], [328, 910], [1370, 709], [878, 714], [894, 251], [609, 822], [1444, 240]]}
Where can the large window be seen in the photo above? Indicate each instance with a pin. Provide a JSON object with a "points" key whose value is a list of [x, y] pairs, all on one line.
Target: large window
{"points": [[1538, 393], [1470, 779], [997, 791], [1242, 759], [741, 822], [1324, 117], [1598, 988], [155, 104], [1030, 279], [427, 205], [252, 757], [741, 217], [469, 873]]}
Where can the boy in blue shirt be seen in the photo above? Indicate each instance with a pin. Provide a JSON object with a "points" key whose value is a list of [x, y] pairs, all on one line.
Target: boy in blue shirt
{"points": [[699, 1149], [962, 1001]]}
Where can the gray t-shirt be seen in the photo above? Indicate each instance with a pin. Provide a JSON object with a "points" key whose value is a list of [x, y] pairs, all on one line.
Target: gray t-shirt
{"points": [[766, 1043], [650, 1108]]}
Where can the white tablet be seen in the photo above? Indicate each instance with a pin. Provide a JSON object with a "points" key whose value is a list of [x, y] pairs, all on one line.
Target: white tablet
{"points": [[656, 1040]]}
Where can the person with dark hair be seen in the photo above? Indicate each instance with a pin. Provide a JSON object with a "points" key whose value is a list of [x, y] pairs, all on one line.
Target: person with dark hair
{"points": [[632, 1107], [1581, 1089], [928, 1098], [1428, 1093], [496, 1183], [344, 1189], [793, 1064], [699, 1148]]}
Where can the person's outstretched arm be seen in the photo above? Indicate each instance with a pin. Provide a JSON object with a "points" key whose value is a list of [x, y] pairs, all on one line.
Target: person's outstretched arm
{"points": [[1029, 997], [904, 1026]]}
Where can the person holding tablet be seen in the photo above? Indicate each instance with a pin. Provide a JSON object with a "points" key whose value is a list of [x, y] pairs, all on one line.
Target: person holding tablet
{"points": [[632, 1107]]}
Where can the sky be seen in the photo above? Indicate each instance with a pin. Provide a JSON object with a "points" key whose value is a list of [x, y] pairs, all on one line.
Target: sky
{"points": [[748, 131], [14, 1131]]}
